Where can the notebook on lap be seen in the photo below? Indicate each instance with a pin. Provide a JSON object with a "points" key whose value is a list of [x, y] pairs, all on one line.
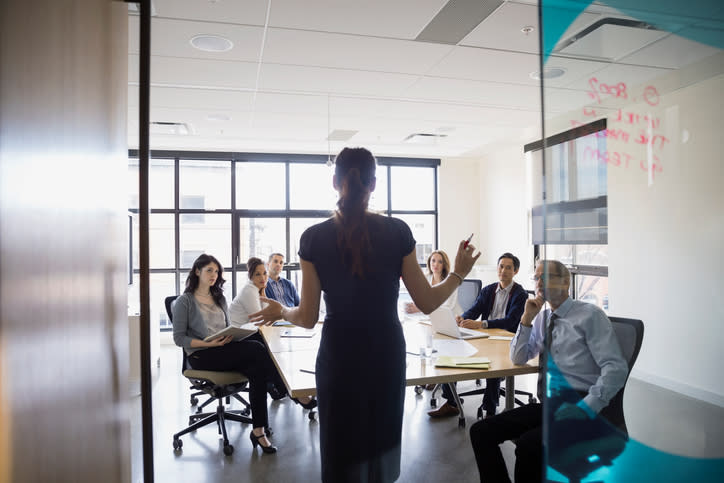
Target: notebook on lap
{"points": [[443, 322]]}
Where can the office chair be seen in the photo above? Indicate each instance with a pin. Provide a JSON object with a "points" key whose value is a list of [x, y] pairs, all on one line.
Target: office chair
{"points": [[468, 291], [217, 384], [581, 458]]}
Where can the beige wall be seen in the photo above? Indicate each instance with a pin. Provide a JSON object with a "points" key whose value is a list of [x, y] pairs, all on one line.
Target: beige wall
{"points": [[666, 232]]}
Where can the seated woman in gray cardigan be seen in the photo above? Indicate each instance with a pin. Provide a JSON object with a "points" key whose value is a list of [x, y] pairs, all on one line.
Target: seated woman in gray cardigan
{"points": [[201, 311]]}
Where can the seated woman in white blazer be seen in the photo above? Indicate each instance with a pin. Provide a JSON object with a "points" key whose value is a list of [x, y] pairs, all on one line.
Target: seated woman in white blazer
{"points": [[247, 302]]}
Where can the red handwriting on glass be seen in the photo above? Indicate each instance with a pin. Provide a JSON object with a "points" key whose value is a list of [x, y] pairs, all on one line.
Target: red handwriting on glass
{"points": [[655, 140], [605, 156], [651, 95], [655, 166], [618, 91], [628, 117], [598, 88], [615, 158]]}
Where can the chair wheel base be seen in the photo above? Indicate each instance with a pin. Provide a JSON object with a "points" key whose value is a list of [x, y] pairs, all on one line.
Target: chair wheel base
{"points": [[228, 449], [177, 444]]}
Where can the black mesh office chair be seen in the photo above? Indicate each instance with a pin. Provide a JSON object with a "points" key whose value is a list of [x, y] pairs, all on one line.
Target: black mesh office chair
{"points": [[581, 458], [219, 386]]}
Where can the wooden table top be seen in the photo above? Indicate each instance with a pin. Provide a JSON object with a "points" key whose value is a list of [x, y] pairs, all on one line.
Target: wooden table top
{"points": [[295, 357]]}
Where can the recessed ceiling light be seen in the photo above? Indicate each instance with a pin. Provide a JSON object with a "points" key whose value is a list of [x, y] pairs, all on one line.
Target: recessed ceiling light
{"points": [[548, 73], [211, 43]]}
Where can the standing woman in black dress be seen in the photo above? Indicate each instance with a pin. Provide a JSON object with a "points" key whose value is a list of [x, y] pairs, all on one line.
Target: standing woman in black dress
{"points": [[357, 258]]}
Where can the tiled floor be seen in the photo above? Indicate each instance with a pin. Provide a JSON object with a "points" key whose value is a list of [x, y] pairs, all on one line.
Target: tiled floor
{"points": [[433, 450]]}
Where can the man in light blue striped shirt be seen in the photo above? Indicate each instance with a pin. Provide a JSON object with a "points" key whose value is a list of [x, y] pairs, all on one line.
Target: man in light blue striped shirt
{"points": [[585, 370]]}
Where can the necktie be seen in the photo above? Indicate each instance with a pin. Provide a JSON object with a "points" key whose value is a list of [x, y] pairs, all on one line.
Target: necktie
{"points": [[542, 358]]}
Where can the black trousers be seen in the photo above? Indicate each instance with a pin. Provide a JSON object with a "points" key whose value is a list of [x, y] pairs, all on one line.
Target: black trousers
{"points": [[524, 424], [250, 357], [490, 396]]}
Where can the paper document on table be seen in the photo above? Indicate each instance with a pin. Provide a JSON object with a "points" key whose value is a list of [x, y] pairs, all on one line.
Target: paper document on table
{"points": [[500, 337], [298, 332], [463, 362], [454, 348]]}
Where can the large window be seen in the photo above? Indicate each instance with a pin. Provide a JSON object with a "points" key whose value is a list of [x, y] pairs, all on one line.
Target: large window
{"points": [[570, 212], [236, 206]]}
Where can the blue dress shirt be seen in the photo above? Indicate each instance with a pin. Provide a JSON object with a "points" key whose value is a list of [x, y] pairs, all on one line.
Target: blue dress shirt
{"points": [[282, 291], [584, 349]]}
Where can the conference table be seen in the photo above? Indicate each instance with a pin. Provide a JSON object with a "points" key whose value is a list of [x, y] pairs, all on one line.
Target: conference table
{"points": [[294, 352]]}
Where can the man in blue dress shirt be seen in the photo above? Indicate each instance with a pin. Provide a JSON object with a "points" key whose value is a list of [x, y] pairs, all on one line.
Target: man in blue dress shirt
{"points": [[278, 288], [585, 370]]}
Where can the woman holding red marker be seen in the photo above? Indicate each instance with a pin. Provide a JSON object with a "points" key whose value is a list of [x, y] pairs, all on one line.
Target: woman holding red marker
{"points": [[356, 258]]}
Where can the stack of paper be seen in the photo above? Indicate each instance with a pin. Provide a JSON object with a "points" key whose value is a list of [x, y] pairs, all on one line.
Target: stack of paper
{"points": [[463, 362]]}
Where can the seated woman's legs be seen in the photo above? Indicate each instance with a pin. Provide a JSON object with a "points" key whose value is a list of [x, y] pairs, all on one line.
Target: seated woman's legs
{"points": [[249, 357]]}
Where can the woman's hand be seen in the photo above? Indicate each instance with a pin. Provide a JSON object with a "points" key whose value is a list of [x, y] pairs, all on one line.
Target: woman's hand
{"points": [[464, 259], [218, 342], [269, 314], [411, 308]]}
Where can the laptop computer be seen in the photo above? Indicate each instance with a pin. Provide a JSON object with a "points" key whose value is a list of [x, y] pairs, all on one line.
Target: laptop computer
{"points": [[443, 322]]}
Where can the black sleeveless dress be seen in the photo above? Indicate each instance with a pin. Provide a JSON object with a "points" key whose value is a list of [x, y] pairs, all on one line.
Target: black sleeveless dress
{"points": [[360, 370]]}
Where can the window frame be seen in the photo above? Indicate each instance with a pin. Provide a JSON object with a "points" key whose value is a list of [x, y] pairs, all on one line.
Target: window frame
{"points": [[563, 207], [237, 213]]}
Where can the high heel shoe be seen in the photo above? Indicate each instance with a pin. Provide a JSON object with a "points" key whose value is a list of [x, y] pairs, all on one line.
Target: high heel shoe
{"points": [[255, 442], [310, 405]]}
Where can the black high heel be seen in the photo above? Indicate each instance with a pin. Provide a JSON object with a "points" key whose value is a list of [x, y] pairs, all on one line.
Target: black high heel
{"points": [[310, 405], [255, 442]]}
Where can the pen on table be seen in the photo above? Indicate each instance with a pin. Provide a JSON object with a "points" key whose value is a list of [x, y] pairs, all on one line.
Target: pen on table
{"points": [[468, 240], [307, 371]]}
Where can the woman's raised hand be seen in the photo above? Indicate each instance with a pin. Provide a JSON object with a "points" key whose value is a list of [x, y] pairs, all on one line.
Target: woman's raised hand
{"points": [[464, 259], [269, 314]]}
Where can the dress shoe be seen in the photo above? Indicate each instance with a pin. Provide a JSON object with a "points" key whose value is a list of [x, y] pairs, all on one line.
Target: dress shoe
{"points": [[275, 392], [255, 442], [308, 405], [445, 411]]}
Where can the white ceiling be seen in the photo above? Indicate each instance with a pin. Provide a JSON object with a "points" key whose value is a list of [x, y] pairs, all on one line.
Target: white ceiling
{"points": [[300, 69]]}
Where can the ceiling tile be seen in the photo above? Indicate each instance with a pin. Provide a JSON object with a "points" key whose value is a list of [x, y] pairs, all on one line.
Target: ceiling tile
{"points": [[399, 19], [671, 52], [172, 38], [488, 65], [248, 12], [488, 94], [502, 29], [180, 72], [300, 79], [285, 46]]}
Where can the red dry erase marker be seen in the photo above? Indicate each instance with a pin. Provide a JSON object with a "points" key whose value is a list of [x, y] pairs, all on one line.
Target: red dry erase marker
{"points": [[468, 240]]}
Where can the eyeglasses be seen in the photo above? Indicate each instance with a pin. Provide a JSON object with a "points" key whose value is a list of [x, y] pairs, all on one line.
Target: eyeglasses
{"points": [[535, 278]]}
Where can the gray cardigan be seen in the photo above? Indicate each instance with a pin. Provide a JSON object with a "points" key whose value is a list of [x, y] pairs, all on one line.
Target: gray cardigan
{"points": [[188, 323]]}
